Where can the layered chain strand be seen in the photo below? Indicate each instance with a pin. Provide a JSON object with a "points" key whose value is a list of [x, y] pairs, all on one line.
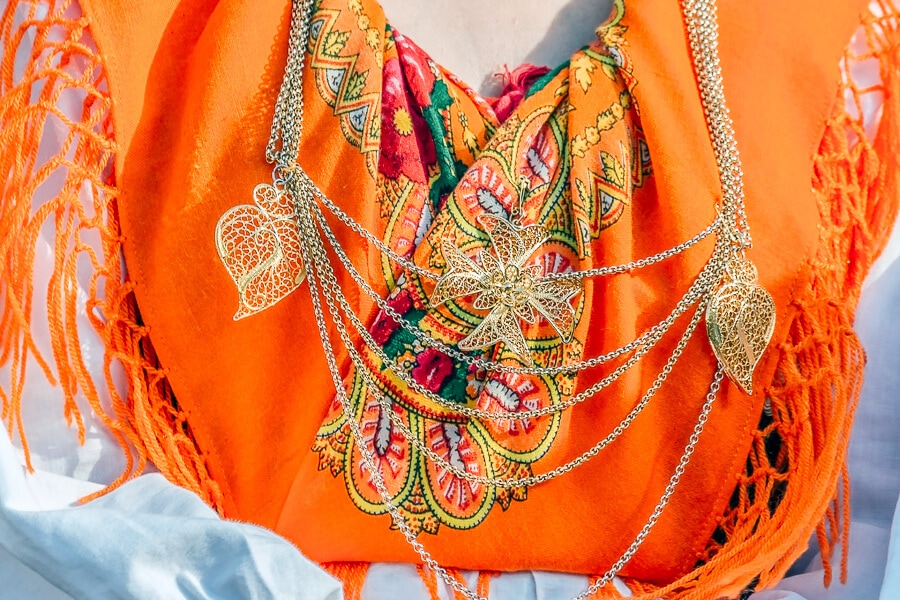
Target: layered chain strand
{"points": [[412, 267], [704, 282], [722, 269], [703, 36], [334, 300], [377, 476], [287, 124]]}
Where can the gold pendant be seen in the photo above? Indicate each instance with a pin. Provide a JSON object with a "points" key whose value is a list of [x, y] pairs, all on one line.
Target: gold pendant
{"points": [[508, 286], [740, 320], [259, 244]]}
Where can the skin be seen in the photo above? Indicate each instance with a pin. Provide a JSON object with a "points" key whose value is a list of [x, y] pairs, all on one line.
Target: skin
{"points": [[475, 38]]}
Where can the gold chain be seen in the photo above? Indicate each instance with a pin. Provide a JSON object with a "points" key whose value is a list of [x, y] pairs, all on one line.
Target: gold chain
{"points": [[304, 200], [740, 314], [704, 282]]}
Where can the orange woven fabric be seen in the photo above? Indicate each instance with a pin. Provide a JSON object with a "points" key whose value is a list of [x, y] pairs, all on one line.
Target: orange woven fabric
{"points": [[815, 367], [83, 214]]}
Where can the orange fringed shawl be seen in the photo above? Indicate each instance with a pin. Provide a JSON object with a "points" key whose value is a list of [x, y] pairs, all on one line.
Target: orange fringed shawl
{"points": [[179, 93]]}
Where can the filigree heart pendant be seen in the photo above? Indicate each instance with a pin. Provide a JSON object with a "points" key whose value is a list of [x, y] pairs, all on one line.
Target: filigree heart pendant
{"points": [[259, 244], [740, 320]]}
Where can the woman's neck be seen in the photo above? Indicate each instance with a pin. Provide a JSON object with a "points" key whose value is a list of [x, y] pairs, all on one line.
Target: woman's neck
{"points": [[475, 39]]}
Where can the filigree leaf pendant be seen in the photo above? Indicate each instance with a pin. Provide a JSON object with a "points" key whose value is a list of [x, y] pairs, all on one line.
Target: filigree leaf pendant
{"points": [[259, 244], [740, 320]]}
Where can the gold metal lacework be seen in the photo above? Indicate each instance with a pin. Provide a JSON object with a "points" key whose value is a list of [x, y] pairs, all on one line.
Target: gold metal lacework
{"points": [[510, 289], [259, 244], [740, 320]]}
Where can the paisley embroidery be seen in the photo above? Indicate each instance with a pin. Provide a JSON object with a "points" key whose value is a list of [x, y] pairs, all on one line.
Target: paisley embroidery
{"points": [[349, 91], [447, 169], [601, 195]]}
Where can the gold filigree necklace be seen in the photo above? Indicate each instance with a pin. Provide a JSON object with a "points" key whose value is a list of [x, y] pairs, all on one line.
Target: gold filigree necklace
{"points": [[740, 314]]}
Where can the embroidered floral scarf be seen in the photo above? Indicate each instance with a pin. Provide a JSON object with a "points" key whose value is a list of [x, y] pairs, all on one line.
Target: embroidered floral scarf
{"points": [[445, 165]]}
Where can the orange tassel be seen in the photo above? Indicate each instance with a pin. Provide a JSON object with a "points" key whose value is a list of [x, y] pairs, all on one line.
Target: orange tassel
{"points": [[351, 574], [430, 580], [82, 214]]}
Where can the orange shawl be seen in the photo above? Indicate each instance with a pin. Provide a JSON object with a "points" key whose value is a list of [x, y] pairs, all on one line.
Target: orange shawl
{"points": [[190, 87]]}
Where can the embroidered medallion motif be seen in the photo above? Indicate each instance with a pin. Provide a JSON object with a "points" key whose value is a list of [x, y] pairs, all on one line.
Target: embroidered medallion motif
{"points": [[493, 209], [497, 211]]}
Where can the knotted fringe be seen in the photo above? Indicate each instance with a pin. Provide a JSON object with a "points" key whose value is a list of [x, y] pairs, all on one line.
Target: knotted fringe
{"points": [[796, 479], [69, 199], [434, 584], [351, 574]]}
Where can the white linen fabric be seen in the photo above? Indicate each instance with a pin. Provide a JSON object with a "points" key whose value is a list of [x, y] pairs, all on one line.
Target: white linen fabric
{"points": [[150, 539]]}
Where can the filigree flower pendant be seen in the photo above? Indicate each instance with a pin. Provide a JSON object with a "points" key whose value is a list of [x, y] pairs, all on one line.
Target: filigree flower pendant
{"points": [[511, 290], [259, 244], [740, 320]]}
